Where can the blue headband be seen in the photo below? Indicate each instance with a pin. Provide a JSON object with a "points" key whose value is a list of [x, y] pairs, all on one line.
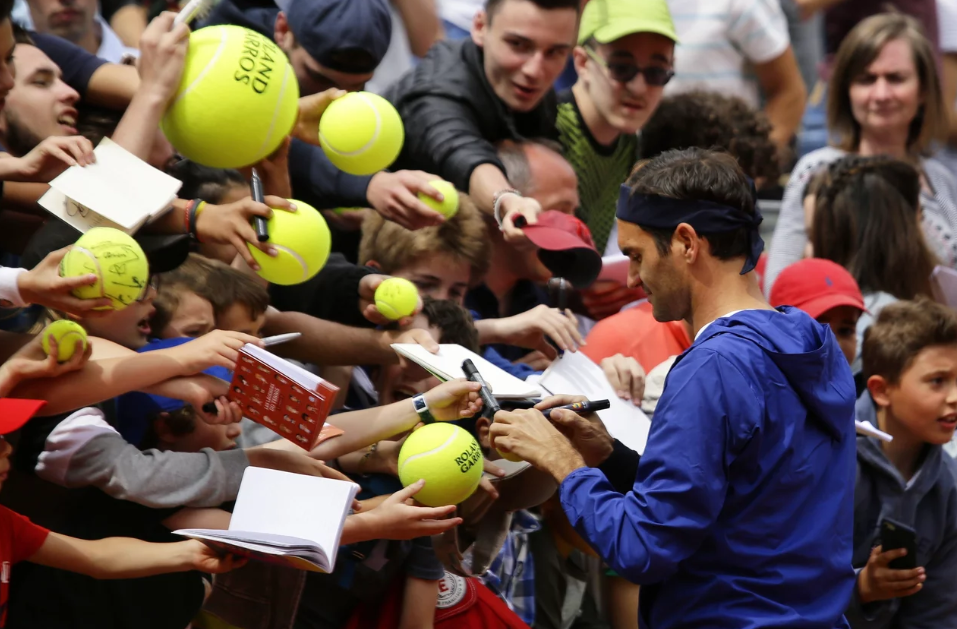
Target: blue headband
{"points": [[650, 211]]}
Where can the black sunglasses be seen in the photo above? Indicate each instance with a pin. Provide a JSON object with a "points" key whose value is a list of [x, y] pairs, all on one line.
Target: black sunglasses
{"points": [[626, 72]]}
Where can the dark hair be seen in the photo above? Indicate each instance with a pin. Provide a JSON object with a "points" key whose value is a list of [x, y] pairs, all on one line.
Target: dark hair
{"points": [[710, 120], [20, 34], [180, 423], [866, 219], [902, 330], [454, 322], [96, 123], [492, 6], [859, 50], [699, 175], [203, 182], [6, 8]]}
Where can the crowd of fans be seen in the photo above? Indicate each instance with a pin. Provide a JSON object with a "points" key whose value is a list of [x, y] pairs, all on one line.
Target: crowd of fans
{"points": [[843, 113]]}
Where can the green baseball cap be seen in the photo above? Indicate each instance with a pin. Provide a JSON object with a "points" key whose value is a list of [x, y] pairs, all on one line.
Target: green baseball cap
{"points": [[608, 20]]}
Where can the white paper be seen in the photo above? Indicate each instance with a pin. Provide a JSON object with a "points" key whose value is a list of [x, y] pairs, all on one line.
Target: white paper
{"points": [[281, 511], [614, 267], [119, 190], [575, 374], [447, 365]]}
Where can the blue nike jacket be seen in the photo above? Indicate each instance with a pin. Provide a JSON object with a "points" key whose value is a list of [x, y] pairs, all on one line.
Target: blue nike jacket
{"points": [[741, 514]]}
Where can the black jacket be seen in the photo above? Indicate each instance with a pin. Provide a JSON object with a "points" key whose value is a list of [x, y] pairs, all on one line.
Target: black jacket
{"points": [[453, 117]]}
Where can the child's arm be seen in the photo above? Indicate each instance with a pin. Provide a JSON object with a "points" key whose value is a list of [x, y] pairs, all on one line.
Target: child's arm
{"points": [[398, 518], [188, 518], [125, 558], [418, 604]]}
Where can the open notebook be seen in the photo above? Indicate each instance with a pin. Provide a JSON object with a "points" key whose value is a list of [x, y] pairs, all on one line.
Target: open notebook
{"points": [[287, 519], [447, 365], [119, 191]]}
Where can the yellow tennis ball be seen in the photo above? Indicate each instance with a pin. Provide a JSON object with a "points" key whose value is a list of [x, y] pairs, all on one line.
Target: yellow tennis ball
{"points": [[345, 210], [237, 101], [66, 333], [450, 205], [303, 241], [361, 133], [396, 298], [116, 259], [447, 457]]}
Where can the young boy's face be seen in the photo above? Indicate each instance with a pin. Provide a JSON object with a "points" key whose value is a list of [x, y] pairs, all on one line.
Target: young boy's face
{"points": [[439, 276], [193, 317], [396, 383], [843, 323], [925, 399], [219, 437], [238, 318], [129, 327]]}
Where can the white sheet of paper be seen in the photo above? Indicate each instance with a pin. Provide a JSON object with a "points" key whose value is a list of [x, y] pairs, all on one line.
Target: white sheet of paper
{"points": [[447, 365], [122, 189], [614, 267], [575, 374]]}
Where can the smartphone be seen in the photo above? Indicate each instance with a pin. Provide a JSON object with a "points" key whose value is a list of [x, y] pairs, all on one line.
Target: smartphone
{"points": [[895, 535]]}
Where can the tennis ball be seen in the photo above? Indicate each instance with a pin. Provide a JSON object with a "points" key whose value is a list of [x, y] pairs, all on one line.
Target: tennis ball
{"points": [[447, 457], [361, 133], [446, 208], [303, 241], [116, 259], [396, 298], [237, 101], [66, 333], [346, 210]]}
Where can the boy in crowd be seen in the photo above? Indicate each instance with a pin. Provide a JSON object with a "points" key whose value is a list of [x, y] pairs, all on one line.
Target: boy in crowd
{"points": [[910, 363]]}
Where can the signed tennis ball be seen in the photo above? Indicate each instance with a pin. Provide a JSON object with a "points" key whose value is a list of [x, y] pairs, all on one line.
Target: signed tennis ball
{"points": [[237, 101], [303, 241], [66, 333], [450, 205], [447, 457], [361, 133], [116, 259], [396, 298]]}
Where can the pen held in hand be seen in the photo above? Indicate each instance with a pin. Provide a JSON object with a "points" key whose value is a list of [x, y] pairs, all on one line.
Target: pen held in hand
{"points": [[582, 408], [472, 374], [262, 233]]}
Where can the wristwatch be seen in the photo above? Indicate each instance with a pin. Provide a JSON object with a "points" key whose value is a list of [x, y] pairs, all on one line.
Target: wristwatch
{"points": [[422, 409]]}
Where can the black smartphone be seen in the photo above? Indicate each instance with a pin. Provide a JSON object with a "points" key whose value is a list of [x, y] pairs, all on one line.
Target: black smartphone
{"points": [[895, 535]]}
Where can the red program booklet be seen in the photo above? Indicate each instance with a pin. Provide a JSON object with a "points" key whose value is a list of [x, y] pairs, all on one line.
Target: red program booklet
{"points": [[283, 397]]}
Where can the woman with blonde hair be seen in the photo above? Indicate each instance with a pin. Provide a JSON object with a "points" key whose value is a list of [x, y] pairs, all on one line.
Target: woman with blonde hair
{"points": [[884, 99]]}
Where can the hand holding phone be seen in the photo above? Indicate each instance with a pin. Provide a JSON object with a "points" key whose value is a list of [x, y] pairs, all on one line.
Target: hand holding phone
{"points": [[896, 535]]}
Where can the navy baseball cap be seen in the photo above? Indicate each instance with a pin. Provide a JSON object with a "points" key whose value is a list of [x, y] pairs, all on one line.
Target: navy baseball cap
{"points": [[134, 410], [349, 36]]}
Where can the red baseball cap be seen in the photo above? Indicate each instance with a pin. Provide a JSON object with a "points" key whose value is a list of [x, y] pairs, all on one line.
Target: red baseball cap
{"points": [[14, 413], [565, 247], [815, 286]]}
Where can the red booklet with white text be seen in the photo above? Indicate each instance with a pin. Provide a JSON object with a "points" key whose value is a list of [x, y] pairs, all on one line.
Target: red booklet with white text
{"points": [[283, 397]]}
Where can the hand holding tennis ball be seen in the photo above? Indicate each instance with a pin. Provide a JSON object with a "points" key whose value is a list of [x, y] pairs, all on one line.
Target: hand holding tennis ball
{"points": [[447, 457], [396, 298], [68, 335], [450, 205]]}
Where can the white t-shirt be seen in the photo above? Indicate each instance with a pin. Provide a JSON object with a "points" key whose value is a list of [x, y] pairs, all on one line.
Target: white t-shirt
{"points": [[460, 12], [721, 39]]}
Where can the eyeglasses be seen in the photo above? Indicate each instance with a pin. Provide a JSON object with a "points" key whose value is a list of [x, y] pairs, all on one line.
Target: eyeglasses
{"points": [[625, 72], [151, 284]]}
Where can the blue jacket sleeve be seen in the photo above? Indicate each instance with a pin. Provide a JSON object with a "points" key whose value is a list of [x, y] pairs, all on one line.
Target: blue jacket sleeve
{"points": [[708, 411], [320, 184]]}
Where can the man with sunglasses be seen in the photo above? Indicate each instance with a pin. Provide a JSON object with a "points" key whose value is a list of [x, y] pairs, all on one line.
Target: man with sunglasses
{"points": [[623, 60]]}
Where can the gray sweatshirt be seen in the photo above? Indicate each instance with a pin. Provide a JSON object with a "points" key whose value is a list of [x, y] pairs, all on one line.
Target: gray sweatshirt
{"points": [[86, 451], [928, 504]]}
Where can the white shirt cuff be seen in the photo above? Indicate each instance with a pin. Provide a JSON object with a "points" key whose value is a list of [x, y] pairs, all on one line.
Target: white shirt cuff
{"points": [[9, 291]]}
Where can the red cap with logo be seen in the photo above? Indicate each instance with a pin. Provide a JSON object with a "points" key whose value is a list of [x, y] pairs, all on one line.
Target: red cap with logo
{"points": [[815, 286], [565, 247], [14, 413]]}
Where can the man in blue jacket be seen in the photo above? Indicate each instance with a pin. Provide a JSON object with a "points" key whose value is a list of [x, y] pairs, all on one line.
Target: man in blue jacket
{"points": [[739, 513]]}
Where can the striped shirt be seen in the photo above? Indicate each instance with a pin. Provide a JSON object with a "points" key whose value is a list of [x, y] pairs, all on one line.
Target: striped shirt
{"points": [[719, 41], [938, 213]]}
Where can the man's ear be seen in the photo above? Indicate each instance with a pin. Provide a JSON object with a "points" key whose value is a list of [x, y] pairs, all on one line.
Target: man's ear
{"points": [[479, 25], [686, 243], [878, 388], [161, 428], [580, 57]]}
